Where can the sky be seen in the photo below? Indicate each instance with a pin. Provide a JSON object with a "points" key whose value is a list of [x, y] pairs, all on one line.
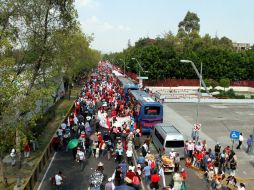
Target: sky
{"points": [[113, 22]]}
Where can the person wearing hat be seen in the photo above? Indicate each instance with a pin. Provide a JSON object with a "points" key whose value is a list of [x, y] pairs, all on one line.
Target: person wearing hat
{"points": [[109, 185], [100, 167], [139, 170]]}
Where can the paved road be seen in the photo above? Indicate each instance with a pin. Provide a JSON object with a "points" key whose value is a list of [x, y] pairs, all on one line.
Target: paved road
{"points": [[75, 179], [194, 179]]}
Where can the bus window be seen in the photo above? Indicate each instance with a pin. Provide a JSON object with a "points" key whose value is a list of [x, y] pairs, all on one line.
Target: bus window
{"points": [[174, 144], [152, 110]]}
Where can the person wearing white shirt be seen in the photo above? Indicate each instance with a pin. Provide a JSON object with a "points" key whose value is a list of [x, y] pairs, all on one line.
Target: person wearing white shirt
{"points": [[80, 158], [240, 141], [63, 126], [241, 187], [129, 154], [75, 119], [59, 180]]}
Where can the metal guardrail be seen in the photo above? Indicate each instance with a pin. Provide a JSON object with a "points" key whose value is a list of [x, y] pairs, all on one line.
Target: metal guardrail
{"points": [[46, 155]]}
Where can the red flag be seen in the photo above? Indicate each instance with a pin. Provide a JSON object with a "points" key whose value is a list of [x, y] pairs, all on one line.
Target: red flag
{"points": [[108, 123]]}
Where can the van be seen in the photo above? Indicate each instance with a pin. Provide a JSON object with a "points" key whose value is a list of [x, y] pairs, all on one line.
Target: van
{"points": [[167, 138]]}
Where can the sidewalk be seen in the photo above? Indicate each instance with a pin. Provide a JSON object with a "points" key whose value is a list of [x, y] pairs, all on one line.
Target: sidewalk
{"points": [[245, 167]]}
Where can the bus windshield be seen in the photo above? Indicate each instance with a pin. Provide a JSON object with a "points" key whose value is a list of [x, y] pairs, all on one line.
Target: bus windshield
{"points": [[152, 110]]}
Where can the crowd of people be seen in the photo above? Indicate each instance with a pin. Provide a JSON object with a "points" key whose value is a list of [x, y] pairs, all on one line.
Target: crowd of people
{"points": [[216, 162], [103, 121]]}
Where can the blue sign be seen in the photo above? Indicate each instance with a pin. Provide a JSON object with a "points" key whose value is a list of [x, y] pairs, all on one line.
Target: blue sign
{"points": [[234, 134]]}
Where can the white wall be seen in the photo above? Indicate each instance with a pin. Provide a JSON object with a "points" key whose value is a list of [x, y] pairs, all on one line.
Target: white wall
{"points": [[235, 88]]}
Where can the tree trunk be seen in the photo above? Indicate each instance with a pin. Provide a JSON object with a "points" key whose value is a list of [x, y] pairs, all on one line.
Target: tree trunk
{"points": [[4, 179], [18, 150]]}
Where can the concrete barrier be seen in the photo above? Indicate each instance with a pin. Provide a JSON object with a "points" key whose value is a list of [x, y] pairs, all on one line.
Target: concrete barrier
{"points": [[222, 101]]}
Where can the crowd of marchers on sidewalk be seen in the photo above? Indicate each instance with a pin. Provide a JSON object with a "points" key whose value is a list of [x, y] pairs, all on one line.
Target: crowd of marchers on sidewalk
{"points": [[103, 122], [217, 162]]}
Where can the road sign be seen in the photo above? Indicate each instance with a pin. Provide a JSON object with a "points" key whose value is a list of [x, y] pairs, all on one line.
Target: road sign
{"points": [[197, 127], [234, 134], [143, 78]]}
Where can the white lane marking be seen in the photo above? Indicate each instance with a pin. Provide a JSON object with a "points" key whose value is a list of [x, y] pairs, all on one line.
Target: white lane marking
{"points": [[47, 171], [135, 157]]}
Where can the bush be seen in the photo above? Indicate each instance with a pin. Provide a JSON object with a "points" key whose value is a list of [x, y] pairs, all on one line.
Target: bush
{"points": [[240, 97], [231, 93]]}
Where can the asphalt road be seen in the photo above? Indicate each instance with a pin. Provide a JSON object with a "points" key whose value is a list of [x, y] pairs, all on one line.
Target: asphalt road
{"points": [[194, 179], [75, 179]]}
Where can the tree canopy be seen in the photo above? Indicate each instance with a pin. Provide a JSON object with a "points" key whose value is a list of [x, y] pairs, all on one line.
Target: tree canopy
{"points": [[41, 43], [161, 56]]}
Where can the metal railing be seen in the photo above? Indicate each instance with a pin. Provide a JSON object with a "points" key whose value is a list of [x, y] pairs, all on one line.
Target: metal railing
{"points": [[46, 155]]}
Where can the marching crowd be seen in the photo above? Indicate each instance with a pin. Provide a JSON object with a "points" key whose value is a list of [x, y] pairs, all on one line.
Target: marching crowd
{"points": [[94, 122]]}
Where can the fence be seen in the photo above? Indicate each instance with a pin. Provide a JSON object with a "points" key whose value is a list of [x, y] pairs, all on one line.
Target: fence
{"points": [[46, 155], [184, 82]]}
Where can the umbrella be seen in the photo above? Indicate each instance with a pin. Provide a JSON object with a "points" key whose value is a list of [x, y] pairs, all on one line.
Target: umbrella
{"points": [[93, 137], [73, 143]]}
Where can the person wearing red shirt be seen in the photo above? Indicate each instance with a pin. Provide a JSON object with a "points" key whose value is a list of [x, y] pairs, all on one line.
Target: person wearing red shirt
{"points": [[210, 164], [155, 178], [26, 150], [55, 143], [183, 174], [199, 157], [130, 174]]}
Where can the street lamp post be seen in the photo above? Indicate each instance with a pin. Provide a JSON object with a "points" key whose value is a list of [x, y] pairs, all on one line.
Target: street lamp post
{"points": [[123, 66], [140, 67], [199, 92], [133, 58], [196, 70]]}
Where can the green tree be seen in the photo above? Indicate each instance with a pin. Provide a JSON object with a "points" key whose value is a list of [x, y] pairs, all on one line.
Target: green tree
{"points": [[225, 83], [32, 60], [190, 23]]}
